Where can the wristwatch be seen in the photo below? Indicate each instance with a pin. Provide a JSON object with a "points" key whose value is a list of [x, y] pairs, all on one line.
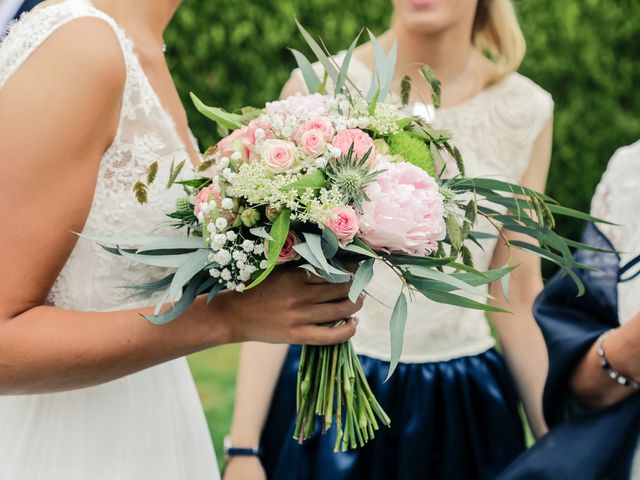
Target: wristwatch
{"points": [[231, 451]]}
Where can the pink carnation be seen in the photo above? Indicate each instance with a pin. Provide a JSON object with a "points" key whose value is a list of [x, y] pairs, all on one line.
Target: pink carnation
{"points": [[405, 212], [204, 197], [344, 223], [360, 140]]}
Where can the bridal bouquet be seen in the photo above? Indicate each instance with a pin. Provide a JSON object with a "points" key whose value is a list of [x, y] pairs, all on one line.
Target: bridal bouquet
{"points": [[323, 181]]}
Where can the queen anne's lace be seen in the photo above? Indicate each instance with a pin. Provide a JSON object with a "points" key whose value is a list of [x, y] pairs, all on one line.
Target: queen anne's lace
{"points": [[495, 131], [92, 279]]}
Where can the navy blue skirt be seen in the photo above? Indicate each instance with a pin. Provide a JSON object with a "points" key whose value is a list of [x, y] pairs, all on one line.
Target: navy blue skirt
{"points": [[450, 420]]}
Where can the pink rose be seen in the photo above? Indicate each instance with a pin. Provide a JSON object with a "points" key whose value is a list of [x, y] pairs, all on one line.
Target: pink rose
{"points": [[321, 124], [234, 142], [360, 140], [279, 155], [204, 197], [344, 223], [405, 212], [313, 142], [288, 254]]}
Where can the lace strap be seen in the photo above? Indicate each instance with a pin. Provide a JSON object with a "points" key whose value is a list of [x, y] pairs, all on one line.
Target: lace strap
{"points": [[34, 28]]}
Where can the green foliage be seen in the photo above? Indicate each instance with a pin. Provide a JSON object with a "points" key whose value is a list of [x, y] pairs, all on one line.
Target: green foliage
{"points": [[413, 150], [233, 53]]}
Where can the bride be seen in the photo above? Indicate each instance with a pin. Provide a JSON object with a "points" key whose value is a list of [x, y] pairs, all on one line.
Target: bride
{"points": [[88, 388]]}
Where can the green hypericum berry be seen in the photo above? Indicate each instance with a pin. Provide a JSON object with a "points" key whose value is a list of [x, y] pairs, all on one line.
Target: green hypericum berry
{"points": [[413, 149], [272, 213], [250, 217]]}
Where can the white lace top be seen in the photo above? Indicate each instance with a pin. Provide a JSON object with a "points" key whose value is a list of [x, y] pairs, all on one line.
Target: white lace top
{"points": [[617, 198], [92, 278], [495, 131]]}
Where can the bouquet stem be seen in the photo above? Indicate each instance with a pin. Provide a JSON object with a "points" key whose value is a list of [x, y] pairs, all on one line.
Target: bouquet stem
{"points": [[331, 385]]}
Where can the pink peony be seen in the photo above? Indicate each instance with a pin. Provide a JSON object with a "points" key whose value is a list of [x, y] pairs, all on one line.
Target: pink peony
{"points": [[360, 140], [320, 124], [204, 197], [288, 254], [313, 142], [279, 155], [405, 212], [344, 223]]}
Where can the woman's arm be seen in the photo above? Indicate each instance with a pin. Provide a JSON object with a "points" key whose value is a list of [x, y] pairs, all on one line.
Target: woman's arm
{"points": [[59, 114], [521, 339], [591, 385]]}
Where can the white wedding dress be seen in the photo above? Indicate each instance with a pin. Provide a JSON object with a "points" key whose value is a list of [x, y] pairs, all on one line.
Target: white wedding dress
{"points": [[149, 425]]}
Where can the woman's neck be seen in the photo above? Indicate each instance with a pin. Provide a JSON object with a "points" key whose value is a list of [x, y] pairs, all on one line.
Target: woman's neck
{"points": [[448, 53], [146, 20]]}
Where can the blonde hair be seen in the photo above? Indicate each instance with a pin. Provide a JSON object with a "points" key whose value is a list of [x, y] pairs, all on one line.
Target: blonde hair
{"points": [[496, 31]]}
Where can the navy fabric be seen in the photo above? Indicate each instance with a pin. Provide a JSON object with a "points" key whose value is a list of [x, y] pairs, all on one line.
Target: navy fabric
{"points": [[587, 445], [26, 6], [449, 420]]}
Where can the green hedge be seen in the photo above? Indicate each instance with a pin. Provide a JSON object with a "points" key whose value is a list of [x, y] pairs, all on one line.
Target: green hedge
{"points": [[234, 52]]}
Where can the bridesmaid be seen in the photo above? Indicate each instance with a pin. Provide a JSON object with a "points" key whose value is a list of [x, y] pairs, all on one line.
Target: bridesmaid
{"points": [[454, 399]]}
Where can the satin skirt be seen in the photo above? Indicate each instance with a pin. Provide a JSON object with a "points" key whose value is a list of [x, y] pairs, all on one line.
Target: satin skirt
{"points": [[450, 420], [149, 425]]}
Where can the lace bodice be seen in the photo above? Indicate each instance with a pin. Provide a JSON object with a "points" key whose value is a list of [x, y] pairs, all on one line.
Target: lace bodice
{"points": [[616, 200], [92, 279], [495, 131]]}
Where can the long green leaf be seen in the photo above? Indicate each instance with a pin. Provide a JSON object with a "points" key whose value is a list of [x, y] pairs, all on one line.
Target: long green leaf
{"points": [[458, 301], [396, 326], [569, 212], [169, 261], [445, 278], [279, 232], [314, 181], [218, 115]]}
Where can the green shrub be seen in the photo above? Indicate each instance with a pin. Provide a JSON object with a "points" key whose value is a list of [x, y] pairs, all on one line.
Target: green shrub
{"points": [[234, 52]]}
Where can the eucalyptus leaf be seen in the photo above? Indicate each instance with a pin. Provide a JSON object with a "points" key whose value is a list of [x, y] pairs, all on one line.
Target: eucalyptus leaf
{"points": [[179, 307], [362, 278], [344, 69], [326, 62], [261, 232], [152, 286], [458, 301], [176, 243], [189, 269], [168, 261], [330, 243], [308, 73], [213, 292], [396, 326]]}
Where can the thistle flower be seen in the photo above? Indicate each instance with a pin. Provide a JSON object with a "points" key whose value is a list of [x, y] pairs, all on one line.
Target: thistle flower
{"points": [[351, 175]]}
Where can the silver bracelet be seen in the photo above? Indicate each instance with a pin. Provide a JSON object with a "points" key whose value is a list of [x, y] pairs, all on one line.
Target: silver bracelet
{"points": [[613, 374]]}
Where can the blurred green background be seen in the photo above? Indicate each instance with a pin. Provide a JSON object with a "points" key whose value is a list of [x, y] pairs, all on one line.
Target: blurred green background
{"points": [[585, 52]]}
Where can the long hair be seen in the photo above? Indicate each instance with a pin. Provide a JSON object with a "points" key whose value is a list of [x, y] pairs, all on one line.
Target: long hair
{"points": [[496, 32]]}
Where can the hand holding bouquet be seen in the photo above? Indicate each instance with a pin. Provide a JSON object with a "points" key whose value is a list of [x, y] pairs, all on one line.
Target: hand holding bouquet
{"points": [[322, 181]]}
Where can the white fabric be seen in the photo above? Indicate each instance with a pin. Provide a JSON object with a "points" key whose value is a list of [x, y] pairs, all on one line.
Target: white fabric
{"points": [[617, 198], [495, 131], [149, 425], [8, 10]]}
